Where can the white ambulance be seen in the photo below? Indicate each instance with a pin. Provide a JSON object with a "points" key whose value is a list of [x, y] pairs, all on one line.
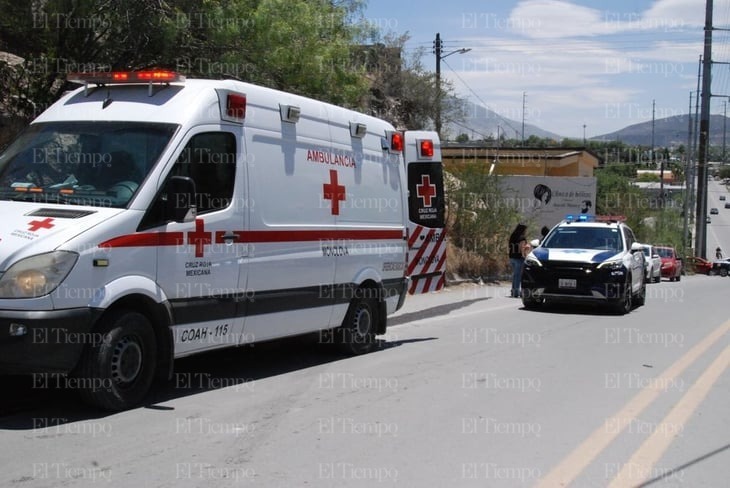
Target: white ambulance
{"points": [[148, 217]]}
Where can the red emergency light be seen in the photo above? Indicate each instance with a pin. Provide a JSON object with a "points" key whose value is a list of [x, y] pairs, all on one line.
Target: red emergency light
{"points": [[236, 106], [426, 148], [396, 141], [106, 77]]}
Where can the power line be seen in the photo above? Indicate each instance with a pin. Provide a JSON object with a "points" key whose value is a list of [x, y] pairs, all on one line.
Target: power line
{"points": [[506, 121]]}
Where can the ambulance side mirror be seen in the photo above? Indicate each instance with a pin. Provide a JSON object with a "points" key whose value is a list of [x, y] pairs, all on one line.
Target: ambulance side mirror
{"points": [[180, 203]]}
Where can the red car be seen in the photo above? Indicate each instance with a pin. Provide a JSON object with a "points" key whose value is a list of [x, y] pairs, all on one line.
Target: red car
{"points": [[671, 263], [700, 265]]}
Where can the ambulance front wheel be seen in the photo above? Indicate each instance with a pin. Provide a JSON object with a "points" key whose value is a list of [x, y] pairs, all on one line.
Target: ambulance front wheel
{"points": [[117, 370], [358, 328]]}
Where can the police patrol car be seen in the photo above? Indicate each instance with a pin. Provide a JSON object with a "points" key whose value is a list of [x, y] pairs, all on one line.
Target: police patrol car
{"points": [[586, 260], [148, 217]]}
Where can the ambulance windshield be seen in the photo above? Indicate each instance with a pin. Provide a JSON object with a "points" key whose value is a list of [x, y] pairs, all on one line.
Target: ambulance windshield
{"points": [[100, 164]]}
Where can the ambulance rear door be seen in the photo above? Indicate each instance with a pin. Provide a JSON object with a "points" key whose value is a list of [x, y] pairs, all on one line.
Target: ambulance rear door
{"points": [[426, 212]]}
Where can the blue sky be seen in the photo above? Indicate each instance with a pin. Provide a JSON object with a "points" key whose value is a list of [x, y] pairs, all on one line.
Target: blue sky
{"points": [[598, 64]]}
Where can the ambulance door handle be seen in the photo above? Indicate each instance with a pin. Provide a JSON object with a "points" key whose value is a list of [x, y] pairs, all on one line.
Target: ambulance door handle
{"points": [[230, 237]]}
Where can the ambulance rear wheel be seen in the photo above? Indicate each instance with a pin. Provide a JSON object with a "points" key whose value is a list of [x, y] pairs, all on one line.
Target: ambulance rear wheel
{"points": [[117, 370], [357, 332]]}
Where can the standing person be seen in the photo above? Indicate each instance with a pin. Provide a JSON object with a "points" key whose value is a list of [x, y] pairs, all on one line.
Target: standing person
{"points": [[543, 232], [516, 249], [718, 253]]}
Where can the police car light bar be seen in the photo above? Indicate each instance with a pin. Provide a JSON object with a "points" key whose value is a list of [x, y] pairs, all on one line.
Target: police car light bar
{"points": [[580, 218], [610, 218]]}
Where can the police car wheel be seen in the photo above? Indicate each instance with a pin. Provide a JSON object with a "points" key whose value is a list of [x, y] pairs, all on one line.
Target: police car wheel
{"points": [[723, 272], [529, 301], [119, 369], [623, 305], [358, 328]]}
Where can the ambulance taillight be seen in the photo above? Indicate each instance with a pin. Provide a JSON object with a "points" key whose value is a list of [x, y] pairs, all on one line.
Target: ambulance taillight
{"points": [[425, 148]]}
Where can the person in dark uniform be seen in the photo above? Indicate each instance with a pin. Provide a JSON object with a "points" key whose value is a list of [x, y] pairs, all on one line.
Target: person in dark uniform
{"points": [[517, 249]]}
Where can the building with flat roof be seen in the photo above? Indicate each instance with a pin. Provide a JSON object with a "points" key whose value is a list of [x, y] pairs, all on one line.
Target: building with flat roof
{"points": [[549, 161]]}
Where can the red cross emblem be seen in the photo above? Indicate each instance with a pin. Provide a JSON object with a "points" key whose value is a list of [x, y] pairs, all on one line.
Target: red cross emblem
{"points": [[40, 224], [199, 238], [333, 191], [426, 190]]}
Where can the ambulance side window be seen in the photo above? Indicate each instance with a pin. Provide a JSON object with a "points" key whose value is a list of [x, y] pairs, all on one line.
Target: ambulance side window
{"points": [[210, 160]]}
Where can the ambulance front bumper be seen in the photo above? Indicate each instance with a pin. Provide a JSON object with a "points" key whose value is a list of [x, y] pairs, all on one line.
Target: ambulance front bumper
{"points": [[44, 341]]}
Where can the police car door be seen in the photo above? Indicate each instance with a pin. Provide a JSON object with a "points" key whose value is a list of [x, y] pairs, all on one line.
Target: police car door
{"points": [[637, 261], [198, 261]]}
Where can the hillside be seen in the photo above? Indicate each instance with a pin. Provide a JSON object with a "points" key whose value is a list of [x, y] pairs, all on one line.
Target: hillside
{"points": [[668, 132], [481, 122]]}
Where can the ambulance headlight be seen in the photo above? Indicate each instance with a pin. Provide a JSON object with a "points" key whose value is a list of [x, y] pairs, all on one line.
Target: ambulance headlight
{"points": [[37, 275]]}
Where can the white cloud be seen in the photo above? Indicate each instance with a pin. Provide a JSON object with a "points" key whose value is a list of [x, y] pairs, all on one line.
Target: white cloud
{"points": [[582, 65], [556, 19]]}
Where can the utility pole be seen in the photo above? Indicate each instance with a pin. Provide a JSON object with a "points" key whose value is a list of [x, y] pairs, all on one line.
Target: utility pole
{"points": [[724, 131], [653, 158], [695, 144], [437, 47], [687, 177], [701, 247]]}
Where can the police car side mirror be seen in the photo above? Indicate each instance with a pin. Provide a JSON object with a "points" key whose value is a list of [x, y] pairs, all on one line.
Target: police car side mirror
{"points": [[180, 202]]}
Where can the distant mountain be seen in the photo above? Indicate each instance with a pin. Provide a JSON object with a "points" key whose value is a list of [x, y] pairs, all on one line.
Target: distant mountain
{"points": [[670, 131], [482, 122]]}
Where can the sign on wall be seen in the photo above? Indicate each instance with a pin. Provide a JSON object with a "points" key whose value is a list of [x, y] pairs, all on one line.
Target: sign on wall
{"points": [[546, 200]]}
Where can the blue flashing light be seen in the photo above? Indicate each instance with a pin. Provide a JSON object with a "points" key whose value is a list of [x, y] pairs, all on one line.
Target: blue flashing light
{"points": [[581, 218]]}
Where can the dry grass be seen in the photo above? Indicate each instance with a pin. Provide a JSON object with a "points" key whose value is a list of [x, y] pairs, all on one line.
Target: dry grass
{"points": [[462, 264]]}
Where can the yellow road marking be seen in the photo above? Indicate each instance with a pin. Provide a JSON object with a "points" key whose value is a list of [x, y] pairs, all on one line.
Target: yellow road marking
{"points": [[639, 467], [572, 465]]}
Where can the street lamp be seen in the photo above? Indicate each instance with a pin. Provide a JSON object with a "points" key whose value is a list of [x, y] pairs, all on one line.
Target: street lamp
{"points": [[437, 46], [584, 135]]}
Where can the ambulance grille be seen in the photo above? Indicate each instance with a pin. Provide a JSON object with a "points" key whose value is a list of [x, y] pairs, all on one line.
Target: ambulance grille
{"points": [[60, 213]]}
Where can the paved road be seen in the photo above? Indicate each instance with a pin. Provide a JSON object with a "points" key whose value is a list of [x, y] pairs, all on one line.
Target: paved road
{"points": [[467, 389], [718, 231]]}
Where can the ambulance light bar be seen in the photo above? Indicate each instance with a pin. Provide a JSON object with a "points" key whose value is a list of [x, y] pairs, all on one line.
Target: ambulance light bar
{"points": [[122, 77]]}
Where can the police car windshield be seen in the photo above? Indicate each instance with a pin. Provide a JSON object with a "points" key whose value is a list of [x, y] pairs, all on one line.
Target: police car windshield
{"points": [[576, 237], [99, 164]]}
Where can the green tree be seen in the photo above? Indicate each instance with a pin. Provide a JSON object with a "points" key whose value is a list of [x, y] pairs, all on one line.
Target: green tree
{"points": [[302, 46], [462, 138], [405, 93], [480, 218]]}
